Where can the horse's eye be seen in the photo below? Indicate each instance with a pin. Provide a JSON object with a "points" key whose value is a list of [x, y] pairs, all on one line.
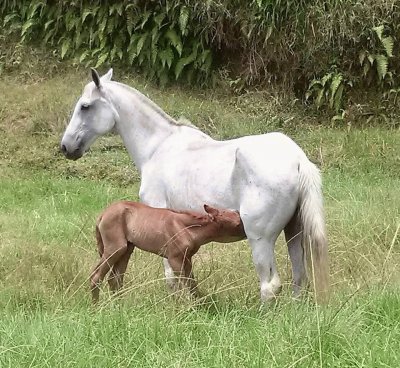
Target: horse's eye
{"points": [[84, 106]]}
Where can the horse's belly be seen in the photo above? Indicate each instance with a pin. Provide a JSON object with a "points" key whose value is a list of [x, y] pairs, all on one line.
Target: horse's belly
{"points": [[193, 192]]}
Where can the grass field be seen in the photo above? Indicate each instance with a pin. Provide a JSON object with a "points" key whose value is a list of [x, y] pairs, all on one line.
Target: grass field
{"points": [[48, 206]]}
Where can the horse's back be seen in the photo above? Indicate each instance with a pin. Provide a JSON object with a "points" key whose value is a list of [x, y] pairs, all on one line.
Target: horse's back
{"points": [[271, 158]]}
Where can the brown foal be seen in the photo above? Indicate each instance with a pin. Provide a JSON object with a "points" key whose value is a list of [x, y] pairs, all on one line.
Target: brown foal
{"points": [[175, 235]]}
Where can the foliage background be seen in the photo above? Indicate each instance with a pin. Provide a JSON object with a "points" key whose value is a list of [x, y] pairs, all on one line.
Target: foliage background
{"points": [[334, 53]]}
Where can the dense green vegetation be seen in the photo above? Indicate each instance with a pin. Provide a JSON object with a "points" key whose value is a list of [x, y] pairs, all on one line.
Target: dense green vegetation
{"points": [[335, 53]]}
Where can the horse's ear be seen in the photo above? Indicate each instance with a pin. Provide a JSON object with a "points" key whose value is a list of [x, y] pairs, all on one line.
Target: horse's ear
{"points": [[107, 77], [95, 77]]}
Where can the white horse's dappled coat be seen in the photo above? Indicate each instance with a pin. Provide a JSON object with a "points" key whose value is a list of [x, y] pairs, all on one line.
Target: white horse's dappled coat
{"points": [[268, 178]]}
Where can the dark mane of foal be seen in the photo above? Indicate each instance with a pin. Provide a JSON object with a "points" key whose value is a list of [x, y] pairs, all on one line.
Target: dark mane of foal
{"points": [[196, 215], [193, 214]]}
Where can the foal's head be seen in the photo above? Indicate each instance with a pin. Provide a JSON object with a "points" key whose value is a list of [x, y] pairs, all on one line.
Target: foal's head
{"points": [[230, 223]]}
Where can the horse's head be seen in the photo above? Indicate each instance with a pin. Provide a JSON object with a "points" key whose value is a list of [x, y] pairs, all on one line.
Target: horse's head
{"points": [[94, 115], [231, 225]]}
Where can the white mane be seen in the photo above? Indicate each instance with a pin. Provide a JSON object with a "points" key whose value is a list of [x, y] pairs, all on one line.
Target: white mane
{"points": [[182, 121]]}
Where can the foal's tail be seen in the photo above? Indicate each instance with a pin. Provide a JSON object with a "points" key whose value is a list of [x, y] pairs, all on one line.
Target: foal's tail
{"points": [[99, 239], [314, 239]]}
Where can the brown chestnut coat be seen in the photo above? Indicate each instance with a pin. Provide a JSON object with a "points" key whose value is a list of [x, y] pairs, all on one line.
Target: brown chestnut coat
{"points": [[175, 235]]}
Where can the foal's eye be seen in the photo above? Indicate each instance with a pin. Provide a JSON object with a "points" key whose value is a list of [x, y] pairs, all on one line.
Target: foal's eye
{"points": [[84, 106]]}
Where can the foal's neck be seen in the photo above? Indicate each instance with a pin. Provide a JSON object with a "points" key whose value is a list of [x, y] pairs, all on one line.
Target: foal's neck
{"points": [[204, 231]]}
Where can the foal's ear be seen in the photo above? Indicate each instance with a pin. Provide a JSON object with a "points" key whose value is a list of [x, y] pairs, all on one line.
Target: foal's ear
{"points": [[210, 210], [107, 77], [95, 77]]}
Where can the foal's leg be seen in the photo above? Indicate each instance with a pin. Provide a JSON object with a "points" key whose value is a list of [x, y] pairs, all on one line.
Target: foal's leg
{"points": [[293, 237], [189, 276], [95, 277], [182, 269], [108, 259], [116, 276]]}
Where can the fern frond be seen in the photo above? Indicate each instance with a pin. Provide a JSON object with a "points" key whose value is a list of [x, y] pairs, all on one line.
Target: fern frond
{"points": [[183, 19], [338, 98], [83, 56], [326, 78], [336, 82], [379, 31], [27, 25], [388, 43], [35, 6], [145, 18], [184, 62], [361, 56], [102, 59], [320, 95], [381, 65], [158, 19], [65, 47], [166, 57], [175, 40], [141, 42]]}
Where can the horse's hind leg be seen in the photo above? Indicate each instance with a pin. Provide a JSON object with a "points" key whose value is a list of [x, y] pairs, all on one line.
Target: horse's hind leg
{"points": [[293, 235], [116, 276]]}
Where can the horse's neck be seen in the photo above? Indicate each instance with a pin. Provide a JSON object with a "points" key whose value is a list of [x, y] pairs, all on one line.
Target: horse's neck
{"points": [[142, 125]]}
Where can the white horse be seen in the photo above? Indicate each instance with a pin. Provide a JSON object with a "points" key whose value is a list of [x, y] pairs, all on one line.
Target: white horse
{"points": [[267, 178]]}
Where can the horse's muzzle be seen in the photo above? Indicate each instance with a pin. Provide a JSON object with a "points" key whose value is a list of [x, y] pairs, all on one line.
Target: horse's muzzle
{"points": [[71, 155]]}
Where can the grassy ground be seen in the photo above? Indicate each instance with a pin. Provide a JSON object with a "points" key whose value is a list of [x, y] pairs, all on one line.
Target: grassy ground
{"points": [[47, 210]]}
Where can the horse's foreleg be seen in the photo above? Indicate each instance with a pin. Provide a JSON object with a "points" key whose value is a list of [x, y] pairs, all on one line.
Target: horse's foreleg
{"points": [[116, 277], [265, 264], [293, 237], [177, 268]]}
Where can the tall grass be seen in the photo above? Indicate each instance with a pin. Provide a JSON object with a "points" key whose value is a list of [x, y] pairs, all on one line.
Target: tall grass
{"points": [[359, 334]]}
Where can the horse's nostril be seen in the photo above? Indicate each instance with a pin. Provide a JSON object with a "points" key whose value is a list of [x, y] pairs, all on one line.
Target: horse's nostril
{"points": [[63, 148]]}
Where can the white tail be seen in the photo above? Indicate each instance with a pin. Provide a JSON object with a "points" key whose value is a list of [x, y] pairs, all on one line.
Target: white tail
{"points": [[314, 238]]}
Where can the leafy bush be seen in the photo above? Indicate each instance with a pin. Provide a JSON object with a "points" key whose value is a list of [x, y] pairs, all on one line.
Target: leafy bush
{"points": [[328, 90], [293, 42], [159, 37]]}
